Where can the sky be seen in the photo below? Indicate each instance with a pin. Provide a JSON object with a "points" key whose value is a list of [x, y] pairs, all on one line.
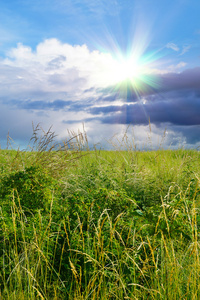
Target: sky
{"points": [[109, 67]]}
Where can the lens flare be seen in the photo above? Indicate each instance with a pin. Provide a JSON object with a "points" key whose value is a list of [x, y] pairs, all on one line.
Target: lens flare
{"points": [[128, 77], [131, 73], [131, 70]]}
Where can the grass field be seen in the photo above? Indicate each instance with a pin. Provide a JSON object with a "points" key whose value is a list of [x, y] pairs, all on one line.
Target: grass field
{"points": [[99, 224]]}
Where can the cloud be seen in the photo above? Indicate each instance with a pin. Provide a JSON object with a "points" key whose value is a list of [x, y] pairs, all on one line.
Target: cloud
{"points": [[57, 66], [67, 71], [187, 79], [64, 85], [174, 68], [185, 49], [172, 46], [174, 108], [42, 105]]}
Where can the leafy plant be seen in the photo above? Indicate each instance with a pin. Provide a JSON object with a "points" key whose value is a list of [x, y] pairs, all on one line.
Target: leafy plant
{"points": [[32, 187]]}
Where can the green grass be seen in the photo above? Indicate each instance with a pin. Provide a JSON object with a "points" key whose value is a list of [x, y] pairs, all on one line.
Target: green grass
{"points": [[86, 224]]}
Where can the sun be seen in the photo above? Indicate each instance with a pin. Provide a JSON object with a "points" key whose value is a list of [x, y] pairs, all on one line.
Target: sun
{"points": [[126, 69], [119, 69], [130, 73]]}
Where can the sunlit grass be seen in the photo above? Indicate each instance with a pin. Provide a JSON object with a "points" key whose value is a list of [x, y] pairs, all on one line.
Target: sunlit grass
{"points": [[103, 225]]}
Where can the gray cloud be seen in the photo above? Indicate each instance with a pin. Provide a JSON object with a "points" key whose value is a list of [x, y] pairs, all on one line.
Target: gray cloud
{"points": [[176, 108], [188, 79], [191, 133], [42, 105]]}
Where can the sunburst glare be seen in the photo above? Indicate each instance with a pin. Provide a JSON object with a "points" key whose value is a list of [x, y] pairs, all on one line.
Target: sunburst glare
{"points": [[130, 72]]}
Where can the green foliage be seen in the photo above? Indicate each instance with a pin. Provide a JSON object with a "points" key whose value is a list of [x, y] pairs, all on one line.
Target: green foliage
{"points": [[110, 225], [31, 187]]}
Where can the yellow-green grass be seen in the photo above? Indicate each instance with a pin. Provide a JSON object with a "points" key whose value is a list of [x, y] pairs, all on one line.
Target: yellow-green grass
{"points": [[99, 224]]}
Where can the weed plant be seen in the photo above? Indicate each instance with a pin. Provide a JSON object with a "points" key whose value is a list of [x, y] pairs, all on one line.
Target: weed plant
{"points": [[80, 224]]}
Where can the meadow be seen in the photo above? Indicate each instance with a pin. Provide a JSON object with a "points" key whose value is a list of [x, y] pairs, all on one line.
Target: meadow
{"points": [[94, 224]]}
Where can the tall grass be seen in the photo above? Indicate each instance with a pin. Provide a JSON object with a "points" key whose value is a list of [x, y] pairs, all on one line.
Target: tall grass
{"points": [[86, 224]]}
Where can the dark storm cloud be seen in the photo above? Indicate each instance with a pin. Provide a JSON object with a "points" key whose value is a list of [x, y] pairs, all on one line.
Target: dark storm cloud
{"points": [[191, 133], [177, 108], [188, 79]]}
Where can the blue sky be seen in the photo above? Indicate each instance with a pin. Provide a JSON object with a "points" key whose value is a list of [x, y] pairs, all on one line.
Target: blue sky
{"points": [[107, 64]]}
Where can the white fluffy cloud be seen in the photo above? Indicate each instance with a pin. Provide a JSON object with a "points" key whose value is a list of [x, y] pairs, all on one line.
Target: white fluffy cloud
{"points": [[54, 66], [52, 72]]}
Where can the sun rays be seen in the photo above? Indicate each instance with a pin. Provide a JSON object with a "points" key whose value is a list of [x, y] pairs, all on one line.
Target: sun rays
{"points": [[131, 71]]}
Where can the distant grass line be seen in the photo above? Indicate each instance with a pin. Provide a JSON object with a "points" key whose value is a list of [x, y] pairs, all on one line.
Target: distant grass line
{"points": [[80, 224]]}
